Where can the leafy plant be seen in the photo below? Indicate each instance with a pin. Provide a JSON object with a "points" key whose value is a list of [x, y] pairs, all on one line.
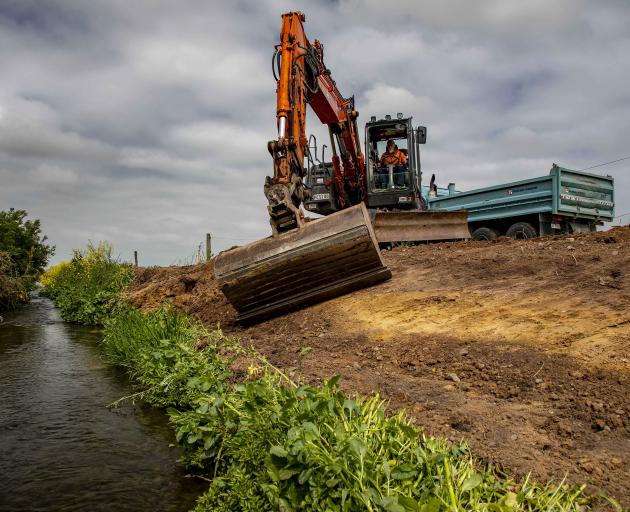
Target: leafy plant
{"points": [[275, 446], [87, 289], [159, 349], [49, 278]]}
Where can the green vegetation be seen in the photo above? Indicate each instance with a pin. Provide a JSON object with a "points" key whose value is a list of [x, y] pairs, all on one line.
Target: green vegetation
{"points": [[13, 290], [24, 254], [159, 351], [270, 444], [87, 288]]}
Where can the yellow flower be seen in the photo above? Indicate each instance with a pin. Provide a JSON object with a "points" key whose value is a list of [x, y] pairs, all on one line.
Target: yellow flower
{"points": [[49, 277], [253, 370]]}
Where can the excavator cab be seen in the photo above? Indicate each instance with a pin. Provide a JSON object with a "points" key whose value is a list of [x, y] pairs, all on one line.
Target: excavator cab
{"points": [[388, 186], [398, 211], [319, 180], [392, 185]]}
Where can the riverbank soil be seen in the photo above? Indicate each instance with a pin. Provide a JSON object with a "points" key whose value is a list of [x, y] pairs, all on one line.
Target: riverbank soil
{"points": [[520, 347]]}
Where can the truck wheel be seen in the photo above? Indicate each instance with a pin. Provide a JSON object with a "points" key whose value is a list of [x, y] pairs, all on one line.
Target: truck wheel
{"points": [[522, 230], [485, 234]]}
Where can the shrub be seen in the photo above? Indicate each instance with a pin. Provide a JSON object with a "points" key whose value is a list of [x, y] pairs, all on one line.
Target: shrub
{"points": [[13, 290], [24, 254], [87, 288], [48, 278]]}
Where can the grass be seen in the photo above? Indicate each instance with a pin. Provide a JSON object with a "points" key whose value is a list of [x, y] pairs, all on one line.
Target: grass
{"points": [[267, 443]]}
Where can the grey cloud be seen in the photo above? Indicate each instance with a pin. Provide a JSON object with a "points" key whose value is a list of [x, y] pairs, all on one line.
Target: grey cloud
{"points": [[31, 129], [147, 123]]}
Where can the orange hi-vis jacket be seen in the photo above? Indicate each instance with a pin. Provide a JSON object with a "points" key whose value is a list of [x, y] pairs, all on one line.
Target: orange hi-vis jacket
{"points": [[395, 158]]}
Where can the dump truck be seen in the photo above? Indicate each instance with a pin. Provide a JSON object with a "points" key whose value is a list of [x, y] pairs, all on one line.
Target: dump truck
{"points": [[305, 260], [563, 201]]}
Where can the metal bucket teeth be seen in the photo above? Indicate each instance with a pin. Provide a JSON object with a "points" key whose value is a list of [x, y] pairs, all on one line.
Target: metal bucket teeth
{"points": [[329, 257], [417, 226]]}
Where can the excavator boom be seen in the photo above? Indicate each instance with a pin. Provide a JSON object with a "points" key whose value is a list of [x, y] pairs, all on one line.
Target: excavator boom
{"points": [[303, 79]]}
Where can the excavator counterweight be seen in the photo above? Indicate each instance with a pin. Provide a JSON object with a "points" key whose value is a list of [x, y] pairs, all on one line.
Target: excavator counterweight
{"points": [[326, 258]]}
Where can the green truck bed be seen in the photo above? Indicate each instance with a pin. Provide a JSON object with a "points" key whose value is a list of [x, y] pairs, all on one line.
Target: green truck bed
{"points": [[563, 192]]}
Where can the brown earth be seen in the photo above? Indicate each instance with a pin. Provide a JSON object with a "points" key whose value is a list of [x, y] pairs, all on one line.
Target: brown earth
{"points": [[520, 347]]}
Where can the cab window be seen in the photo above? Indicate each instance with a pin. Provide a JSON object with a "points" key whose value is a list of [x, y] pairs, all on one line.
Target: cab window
{"points": [[400, 143]]}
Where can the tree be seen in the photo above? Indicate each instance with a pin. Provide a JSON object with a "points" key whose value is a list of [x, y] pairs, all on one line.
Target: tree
{"points": [[12, 290], [22, 240]]}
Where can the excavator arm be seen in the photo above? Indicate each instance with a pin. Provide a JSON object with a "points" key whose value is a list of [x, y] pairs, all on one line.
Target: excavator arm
{"points": [[305, 262], [303, 79]]}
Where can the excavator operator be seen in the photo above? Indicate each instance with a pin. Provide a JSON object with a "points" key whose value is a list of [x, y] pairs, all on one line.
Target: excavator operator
{"points": [[392, 156]]}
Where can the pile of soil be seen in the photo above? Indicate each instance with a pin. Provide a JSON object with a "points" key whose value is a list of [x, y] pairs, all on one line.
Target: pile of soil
{"points": [[520, 347]]}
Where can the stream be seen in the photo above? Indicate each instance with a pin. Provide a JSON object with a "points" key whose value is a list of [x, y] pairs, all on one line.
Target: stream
{"points": [[61, 447]]}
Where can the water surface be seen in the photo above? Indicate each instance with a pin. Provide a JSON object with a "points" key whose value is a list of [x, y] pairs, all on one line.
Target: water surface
{"points": [[61, 448]]}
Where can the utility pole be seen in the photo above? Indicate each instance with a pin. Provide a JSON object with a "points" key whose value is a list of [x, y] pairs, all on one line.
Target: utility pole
{"points": [[208, 247]]}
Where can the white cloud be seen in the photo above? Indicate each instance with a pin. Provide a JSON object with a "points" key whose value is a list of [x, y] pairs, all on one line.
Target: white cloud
{"points": [[160, 160], [516, 19], [382, 99], [46, 174]]}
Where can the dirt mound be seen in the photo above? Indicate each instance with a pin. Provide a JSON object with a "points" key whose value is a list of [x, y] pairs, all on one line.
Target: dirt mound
{"points": [[192, 289], [521, 347]]}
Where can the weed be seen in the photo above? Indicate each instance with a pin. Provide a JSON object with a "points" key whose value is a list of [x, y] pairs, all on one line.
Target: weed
{"points": [[159, 349], [313, 448]]}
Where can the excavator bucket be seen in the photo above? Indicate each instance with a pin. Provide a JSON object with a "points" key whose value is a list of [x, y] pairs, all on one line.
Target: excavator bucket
{"points": [[326, 258], [419, 226]]}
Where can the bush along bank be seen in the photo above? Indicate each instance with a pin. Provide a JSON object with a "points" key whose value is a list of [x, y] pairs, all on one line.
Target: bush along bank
{"points": [[24, 253], [13, 289], [87, 289], [267, 443]]}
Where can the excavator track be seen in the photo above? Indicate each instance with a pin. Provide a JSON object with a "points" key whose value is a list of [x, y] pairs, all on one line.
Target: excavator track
{"points": [[326, 258]]}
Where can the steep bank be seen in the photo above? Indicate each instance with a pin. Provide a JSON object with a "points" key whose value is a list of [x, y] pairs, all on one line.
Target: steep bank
{"points": [[521, 347]]}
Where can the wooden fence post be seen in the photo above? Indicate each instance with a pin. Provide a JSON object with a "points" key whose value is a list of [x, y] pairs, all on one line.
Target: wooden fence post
{"points": [[208, 247]]}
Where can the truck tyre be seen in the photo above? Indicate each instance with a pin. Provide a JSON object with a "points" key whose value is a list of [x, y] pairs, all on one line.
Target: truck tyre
{"points": [[484, 234], [522, 230]]}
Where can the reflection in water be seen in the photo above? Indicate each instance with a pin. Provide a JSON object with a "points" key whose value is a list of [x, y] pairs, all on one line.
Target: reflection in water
{"points": [[60, 447]]}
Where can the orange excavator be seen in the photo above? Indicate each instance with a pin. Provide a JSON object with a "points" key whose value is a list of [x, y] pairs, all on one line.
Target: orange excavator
{"points": [[307, 261]]}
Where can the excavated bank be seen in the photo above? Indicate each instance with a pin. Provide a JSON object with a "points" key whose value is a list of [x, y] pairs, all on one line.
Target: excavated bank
{"points": [[522, 347]]}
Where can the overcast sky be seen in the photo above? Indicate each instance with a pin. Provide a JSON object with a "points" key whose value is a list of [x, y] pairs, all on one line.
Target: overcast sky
{"points": [[145, 123]]}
